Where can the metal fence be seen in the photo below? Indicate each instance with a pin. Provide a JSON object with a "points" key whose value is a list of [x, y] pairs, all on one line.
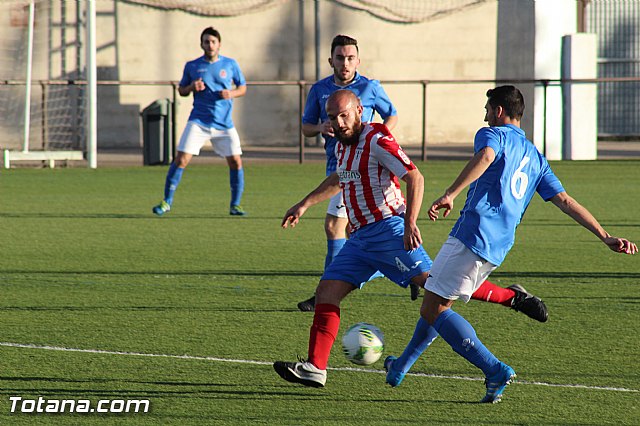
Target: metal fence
{"points": [[617, 24], [302, 89]]}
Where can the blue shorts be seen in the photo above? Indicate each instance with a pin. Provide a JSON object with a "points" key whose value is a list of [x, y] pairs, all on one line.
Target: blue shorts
{"points": [[378, 247]]}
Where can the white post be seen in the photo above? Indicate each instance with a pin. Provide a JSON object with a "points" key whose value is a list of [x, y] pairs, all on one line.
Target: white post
{"points": [[27, 92], [579, 60], [92, 111], [553, 19]]}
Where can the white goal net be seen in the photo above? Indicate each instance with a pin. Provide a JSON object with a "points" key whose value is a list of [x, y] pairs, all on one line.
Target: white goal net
{"points": [[49, 113]]}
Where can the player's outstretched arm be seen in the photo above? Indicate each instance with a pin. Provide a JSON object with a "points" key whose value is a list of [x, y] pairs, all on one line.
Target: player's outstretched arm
{"points": [[327, 189], [584, 217], [471, 172]]}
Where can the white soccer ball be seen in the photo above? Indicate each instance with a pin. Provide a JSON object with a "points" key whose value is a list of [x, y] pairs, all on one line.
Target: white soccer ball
{"points": [[363, 343]]}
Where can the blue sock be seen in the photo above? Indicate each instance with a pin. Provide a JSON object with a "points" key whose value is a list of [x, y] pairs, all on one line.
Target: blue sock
{"points": [[423, 336], [458, 333], [236, 179], [174, 175], [333, 248]]}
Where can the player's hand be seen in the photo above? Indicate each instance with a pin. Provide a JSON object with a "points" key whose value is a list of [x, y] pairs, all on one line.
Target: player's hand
{"points": [[412, 238], [327, 129], [445, 202], [198, 85], [225, 94], [292, 216], [621, 245]]}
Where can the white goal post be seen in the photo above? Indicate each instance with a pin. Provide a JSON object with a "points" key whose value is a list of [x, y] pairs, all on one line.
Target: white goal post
{"points": [[64, 114]]}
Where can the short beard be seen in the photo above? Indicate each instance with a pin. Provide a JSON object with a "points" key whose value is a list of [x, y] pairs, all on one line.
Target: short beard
{"points": [[353, 139]]}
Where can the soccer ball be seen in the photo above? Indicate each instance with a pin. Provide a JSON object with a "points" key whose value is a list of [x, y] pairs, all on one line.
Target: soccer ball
{"points": [[363, 344]]}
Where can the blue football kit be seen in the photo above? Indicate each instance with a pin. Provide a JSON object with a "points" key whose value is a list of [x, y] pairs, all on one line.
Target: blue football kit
{"points": [[209, 109], [495, 205], [497, 201], [372, 96]]}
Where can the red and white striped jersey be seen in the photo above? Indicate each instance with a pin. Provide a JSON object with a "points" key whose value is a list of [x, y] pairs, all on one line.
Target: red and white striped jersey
{"points": [[369, 173]]}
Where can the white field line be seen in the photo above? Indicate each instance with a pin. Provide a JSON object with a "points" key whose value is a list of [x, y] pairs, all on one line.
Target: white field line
{"points": [[246, 361]]}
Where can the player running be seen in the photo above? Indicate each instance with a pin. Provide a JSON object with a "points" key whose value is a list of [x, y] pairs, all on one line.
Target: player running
{"points": [[385, 236], [344, 61], [504, 174], [211, 78]]}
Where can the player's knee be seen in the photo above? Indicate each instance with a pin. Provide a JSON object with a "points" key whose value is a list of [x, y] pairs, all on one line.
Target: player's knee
{"points": [[331, 292], [234, 162], [182, 160], [334, 228], [430, 309]]}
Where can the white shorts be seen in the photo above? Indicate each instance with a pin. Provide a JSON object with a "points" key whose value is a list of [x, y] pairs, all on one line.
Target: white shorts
{"points": [[336, 206], [226, 142], [457, 272]]}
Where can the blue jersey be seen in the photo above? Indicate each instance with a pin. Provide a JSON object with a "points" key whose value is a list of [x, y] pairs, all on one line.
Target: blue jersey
{"points": [[497, 201], [209, 109], [372, 96]]}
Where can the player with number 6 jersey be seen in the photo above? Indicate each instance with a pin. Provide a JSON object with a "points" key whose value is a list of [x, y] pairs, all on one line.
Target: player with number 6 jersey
{"points": [[503, 175], [497, 201]]}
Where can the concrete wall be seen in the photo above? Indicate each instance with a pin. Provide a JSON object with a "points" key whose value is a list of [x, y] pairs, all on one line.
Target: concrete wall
{"points": [[140, 43]]}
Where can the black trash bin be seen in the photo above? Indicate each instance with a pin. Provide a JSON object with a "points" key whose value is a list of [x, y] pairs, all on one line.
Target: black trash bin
{"points": [[157, 135]]}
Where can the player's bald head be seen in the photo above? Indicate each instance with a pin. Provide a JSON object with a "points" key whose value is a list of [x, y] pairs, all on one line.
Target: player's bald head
{"points": [[342, 99]]}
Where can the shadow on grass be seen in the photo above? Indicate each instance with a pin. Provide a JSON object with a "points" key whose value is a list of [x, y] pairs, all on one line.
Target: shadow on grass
{"points": [[297, 273], [317, 274], [40, 386], [144, 216]]}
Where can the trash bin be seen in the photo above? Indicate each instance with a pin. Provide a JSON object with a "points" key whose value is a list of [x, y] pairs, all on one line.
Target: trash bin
{"points": [[157, 133]]}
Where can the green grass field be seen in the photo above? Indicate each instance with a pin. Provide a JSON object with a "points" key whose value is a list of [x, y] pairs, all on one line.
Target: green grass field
{"points": [[85, 266]]}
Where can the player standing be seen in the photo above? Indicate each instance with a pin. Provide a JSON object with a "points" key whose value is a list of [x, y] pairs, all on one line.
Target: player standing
{"points": [[211, 78], [504, 174]]}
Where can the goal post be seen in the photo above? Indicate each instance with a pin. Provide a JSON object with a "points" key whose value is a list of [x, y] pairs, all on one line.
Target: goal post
{"points": [[40, 118]]}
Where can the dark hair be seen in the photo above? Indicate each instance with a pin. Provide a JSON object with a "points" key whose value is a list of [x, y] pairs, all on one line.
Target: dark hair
{"points": [[509, 98], [210, 31], [343, 40]]}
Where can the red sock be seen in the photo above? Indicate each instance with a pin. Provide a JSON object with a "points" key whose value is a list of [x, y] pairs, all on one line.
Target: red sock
{"points": [[489, 292], [326, 322]]}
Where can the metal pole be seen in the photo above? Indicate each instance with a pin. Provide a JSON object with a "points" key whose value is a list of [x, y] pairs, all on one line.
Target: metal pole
{"points": [[43, 116], [27, 93], [545, 84], [424, 120], [174, 131], [300, 109], [301, 37], [92, 88], [316, 17]]}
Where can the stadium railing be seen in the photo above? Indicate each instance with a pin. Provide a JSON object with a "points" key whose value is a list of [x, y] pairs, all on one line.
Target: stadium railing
{"points": [[303, 87]]}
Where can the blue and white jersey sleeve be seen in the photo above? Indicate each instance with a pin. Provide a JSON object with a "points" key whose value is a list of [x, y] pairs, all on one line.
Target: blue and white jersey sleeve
{"points": [[312, 109], [549, 185], [186, 75], [238, 77], [383, 105], [488, 137]]}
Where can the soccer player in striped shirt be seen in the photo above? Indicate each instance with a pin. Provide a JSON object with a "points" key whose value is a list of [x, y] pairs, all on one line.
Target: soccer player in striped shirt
{"points": [[384, 233]]}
